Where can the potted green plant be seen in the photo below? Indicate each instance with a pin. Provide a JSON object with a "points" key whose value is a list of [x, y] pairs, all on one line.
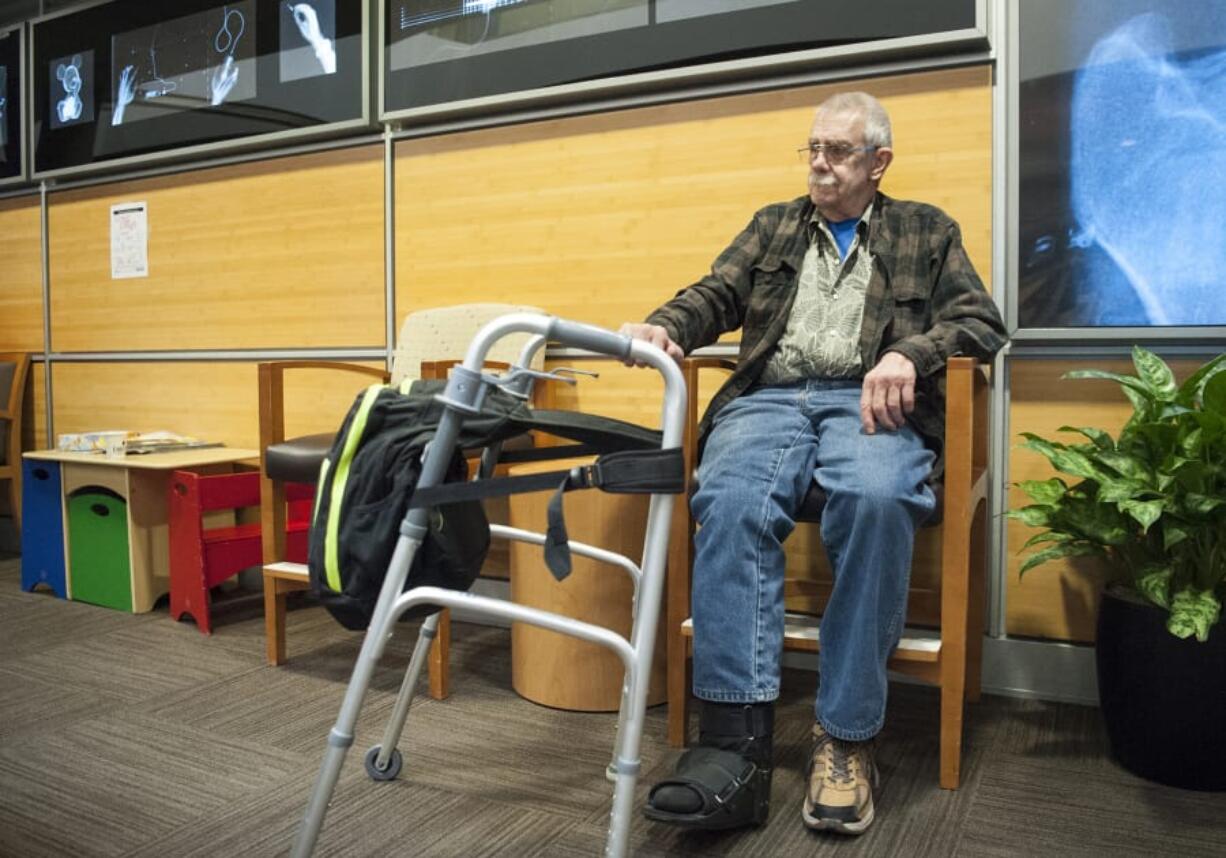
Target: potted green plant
{"points": [[1151, 502]]}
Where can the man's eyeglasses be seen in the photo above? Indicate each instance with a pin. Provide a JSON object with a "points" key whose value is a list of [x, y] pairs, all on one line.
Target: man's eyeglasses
{"points": [[836, 153]]}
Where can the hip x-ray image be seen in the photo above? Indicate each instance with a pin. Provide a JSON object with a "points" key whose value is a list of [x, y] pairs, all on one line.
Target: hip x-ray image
{"points": [[308, 39], [205, 59], [1123, 157], [72, 89]]}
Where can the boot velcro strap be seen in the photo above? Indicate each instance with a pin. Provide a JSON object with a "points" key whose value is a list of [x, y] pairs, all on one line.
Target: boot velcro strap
{"points": [[717, 775]]}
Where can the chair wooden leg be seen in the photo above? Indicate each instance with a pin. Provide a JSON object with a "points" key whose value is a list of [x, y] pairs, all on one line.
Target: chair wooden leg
{"points": [[977, 623], [678, 690], [274, 620], [439, 670], [951, 735]]}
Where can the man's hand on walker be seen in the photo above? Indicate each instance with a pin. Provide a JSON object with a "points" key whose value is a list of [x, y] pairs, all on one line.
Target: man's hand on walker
{"points": [[654, 334], [888, 394]]}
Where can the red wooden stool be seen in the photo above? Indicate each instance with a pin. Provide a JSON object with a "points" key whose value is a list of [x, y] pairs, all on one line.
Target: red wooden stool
{"points": [[202, 558]]}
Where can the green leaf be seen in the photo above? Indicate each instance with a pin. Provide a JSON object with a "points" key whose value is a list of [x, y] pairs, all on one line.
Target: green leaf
{"points": [[1125, 464], [1035, 515], [1142, 405], [1096, 522], [1070, 549], [1193, 612], [1173, 533], [1116, 491], [1155, 373], [1155, 585], [1044, 491], [1145, 512], [1190, 390], [1128, 382], [1214, 395], [1202, 504], [1101, 439], [1046, 536], [1191, 443]]}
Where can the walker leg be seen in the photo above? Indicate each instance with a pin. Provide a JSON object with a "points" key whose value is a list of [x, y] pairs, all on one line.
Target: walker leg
{"points": [[341, 736], [395, 724]]}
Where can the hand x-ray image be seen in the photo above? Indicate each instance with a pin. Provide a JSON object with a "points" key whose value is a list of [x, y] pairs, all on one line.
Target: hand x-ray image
{"points": [[1123, 157], [72, 89], [205, 59], [308, 39]]}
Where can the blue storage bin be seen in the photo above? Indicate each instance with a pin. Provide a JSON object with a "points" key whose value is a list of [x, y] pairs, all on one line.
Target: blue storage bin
{"points": [[42, 527]]}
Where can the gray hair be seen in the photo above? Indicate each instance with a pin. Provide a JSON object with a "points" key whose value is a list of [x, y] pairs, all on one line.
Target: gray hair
{"points": [[876, 121]]}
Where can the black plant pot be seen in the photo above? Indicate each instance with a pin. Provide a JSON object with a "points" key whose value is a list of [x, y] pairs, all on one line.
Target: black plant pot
{"points": [[1163, 699]]}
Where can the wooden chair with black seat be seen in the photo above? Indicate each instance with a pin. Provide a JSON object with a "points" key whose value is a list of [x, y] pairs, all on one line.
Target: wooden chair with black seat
{"points": [[954, 602], [13, 369], [430, 342]]}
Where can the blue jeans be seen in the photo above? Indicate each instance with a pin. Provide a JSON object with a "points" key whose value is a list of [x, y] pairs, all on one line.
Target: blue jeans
{"points": [[763, 451]]}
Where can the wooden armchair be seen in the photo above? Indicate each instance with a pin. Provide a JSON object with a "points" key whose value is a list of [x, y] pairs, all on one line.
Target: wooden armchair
{"points": [[956, 604], [430, 342], [13, 369]]}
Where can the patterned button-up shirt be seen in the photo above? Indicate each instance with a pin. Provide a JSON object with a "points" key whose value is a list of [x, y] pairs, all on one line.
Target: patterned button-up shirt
{"points": [[822, 337], [923, 300]]}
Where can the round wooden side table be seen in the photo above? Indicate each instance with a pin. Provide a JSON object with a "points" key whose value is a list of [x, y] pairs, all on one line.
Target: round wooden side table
{"points": [[557, 670]]}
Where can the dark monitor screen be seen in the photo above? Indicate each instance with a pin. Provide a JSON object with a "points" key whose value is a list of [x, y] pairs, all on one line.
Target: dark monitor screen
{"points": [[129, 78], [441, 51], [10, 104], [1122, 157]]}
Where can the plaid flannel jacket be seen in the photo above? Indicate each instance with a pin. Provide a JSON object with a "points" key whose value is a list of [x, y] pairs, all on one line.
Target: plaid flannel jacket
{"points": [[924, 300]]}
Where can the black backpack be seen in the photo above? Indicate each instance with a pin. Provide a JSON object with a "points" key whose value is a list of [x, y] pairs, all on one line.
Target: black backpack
{"points": [[368, 481]]}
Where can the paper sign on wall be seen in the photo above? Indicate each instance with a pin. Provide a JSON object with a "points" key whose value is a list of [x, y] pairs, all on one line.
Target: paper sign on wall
{"points": [[129, 241]]}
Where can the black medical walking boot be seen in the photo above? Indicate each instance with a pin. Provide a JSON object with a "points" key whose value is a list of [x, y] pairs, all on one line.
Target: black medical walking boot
{"points": [[725, 781]]}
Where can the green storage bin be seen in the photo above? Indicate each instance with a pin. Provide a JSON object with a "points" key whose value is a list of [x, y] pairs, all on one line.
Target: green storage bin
{"points": [[98, 548]]}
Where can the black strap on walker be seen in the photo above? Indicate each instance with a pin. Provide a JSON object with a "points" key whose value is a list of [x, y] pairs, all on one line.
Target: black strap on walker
{"points": [[623, 472]]}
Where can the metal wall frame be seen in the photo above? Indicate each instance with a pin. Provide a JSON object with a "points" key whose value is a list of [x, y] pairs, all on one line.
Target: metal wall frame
{"points": [[203, 150], [23, 106], [695, 81]]}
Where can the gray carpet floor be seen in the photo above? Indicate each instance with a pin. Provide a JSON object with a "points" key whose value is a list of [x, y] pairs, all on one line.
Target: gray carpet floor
{"points": [[131, 735]]}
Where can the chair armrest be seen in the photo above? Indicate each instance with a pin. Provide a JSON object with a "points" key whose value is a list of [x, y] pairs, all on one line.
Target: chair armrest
{"points": [[272, 393]]}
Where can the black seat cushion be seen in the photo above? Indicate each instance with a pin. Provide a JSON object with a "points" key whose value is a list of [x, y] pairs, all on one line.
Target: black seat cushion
{"points": [[297, 460]]}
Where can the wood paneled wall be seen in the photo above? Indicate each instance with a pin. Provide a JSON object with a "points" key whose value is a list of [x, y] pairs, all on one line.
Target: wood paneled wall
{"points": [[21, 275], [602, 218], [1058, 599], [209, 399], [285, 253]]}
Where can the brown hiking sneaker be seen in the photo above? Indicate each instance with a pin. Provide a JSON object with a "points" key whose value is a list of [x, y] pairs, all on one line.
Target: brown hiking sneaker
{"points": [[842, 777]]}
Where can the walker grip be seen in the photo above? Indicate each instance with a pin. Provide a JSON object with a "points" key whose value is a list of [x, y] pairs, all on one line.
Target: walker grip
{"points": [[590, 337]]}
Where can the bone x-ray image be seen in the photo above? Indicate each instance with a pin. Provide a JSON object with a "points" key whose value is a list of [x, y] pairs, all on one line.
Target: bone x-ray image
{"points": [[200, 60], [72, 89], [1122, 160], [308, 39], [434, 31]]}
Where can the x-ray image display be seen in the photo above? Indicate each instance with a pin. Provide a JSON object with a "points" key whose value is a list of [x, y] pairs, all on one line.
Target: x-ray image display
{"points": [[1123, 157], [434, 31], [308, 39], [451, 51], [72, 89], [675, 10], [4, 119], [200, 60]]}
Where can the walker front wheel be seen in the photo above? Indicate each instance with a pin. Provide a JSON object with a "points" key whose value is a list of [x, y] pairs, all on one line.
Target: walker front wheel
{"points": [[394, 762]]}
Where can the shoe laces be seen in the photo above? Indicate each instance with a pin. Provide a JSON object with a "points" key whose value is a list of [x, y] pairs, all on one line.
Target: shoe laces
{"points": [[838, 757]]}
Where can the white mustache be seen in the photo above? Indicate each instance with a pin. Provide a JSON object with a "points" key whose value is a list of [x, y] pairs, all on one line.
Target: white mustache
{"points": [[826, 181]]}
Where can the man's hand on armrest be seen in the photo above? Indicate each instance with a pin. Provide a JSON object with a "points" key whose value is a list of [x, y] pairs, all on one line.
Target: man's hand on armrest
{"points": [[654, 334]]}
